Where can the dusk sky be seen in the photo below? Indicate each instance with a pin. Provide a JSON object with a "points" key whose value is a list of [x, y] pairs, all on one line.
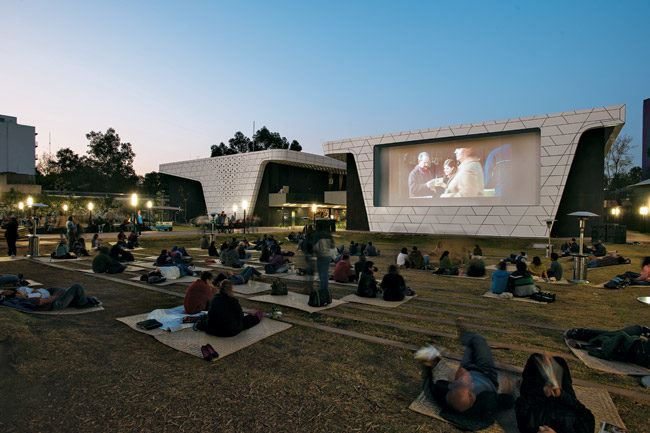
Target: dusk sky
{"points": [[174, 78]]}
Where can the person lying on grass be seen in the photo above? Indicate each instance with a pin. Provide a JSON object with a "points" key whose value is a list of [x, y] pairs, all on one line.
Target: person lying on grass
{"points": [[52, 299], [246, 274], [225, 315], [472, 399], [11, 279]]}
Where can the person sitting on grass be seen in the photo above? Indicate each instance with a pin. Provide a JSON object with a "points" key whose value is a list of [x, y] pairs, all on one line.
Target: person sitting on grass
{"points": [[248, 273], [79, 247], [416, 259], [277, 264], [53, 299], [476, 267], [597, 249], [477, 251], [242, 253], [403, 259], [358, 266], [555, 271], [225, 315], [471, 399], [163, 259], [536, 268], [121, 238], [62, 251], [198, 295], [367, 287], [521, 282], [266, 254], [103, 262], [370, 250], [547, 401], [353, 249], [445, 267], [393, 285], [212, 250], [230, 257], [132, 241], [96, 241], [343, 272], [569, 248], [120, 254], [500, 279]]}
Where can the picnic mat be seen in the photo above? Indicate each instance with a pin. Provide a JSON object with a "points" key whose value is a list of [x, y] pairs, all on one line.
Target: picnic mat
{"points": [[509, 267], [616, 367], [10, 259], [485, 277], [252, 287], [597, 400], [190, 341], [378, 302], [65, 312], [489, 294], [295, 300], [549, 281]]}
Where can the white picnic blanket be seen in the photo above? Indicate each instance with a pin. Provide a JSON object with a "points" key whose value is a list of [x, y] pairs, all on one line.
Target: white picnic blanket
{"points": [[172, 318]]}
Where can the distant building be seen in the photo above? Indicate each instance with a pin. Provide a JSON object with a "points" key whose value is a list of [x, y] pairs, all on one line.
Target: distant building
{"points": [[17, 156]]}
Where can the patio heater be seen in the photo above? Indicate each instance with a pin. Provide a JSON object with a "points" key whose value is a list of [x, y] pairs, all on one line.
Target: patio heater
{"points": [[580, 259], [549, 247]]}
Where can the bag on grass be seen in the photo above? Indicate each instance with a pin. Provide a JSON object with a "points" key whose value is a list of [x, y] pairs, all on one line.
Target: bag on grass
{"points": [[269, 268], [279, 288], [320, 298], [543, 297], [149, 324]]}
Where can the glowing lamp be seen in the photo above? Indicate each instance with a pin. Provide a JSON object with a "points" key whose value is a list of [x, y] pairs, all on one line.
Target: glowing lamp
{"points": [[91, 206], [21, 205], [134, 200], [149, 204], [644, 210], [616, 211], [65, 208], [234, 208], [244, 204], [30, 201], [314, 208]]}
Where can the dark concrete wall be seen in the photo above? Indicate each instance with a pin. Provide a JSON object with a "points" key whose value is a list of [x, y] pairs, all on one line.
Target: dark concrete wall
{"points": [[186, 194], [357, 218], [584, 186]]}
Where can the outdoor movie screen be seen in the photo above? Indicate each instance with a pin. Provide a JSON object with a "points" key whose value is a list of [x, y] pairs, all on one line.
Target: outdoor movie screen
{"points": [[479, 171]]}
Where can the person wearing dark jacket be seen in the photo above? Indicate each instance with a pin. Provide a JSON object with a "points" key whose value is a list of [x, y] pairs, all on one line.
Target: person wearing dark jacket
{"points": [[547, 401], [393, 285], [11, 234], [359, 265], [367, 287], [103, 262], [225, 316], [629, 344], [471, 400], [212, 250]]}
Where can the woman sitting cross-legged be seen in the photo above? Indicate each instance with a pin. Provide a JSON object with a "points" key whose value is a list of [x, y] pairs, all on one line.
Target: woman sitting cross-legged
{"points": [[367, 287], [394, 286], [225, 315], [445, 267]]}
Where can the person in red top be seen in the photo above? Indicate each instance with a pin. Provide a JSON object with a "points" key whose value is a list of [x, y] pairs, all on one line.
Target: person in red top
{"points": [[198, 295], [344, 273]]}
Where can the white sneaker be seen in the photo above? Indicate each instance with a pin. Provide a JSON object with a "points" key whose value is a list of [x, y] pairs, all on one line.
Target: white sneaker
{"points": [[427, 354]]}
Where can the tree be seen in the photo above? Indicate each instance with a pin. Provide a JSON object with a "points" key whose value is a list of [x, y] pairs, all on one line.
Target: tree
{"points": [[154, 183], [263, 139], [112, 160], [618, 159]]}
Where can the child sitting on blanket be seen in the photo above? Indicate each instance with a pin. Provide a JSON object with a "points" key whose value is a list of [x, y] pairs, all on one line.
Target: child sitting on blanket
{"points": [[225, 315], [547, 401]]}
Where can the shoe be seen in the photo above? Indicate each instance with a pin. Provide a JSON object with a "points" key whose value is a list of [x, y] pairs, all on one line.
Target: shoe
{"points": [[213, 353], [207, 354], [259, 314]]}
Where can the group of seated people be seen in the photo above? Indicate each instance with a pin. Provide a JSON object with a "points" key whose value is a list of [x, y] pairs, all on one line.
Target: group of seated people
{"points": [[225, 317], [412, 260], [111, 260], [521, 282], [392, 286], [130, 242], [63, 251], [473, 398]]}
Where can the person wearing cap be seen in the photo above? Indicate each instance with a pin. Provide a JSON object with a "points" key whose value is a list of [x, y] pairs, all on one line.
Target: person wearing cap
{"points": [[420, 177], [469, 180]]}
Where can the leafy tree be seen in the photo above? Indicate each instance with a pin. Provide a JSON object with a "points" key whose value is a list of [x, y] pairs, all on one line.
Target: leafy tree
{"points": [[112, 159], [618, 159], [263, 139], [154, 183]]}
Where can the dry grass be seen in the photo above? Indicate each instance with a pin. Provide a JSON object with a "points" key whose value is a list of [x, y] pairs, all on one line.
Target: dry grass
{"points": [[92, 373]]}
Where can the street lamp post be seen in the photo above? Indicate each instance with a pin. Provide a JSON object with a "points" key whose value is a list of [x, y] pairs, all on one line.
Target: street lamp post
{"points": [[21, 206], [644, 211], [134, 203], [244, 205], [149, 206], [234, 216], [313, 210]]}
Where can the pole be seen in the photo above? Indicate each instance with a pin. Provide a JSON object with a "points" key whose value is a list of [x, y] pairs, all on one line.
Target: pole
{"points": [[244, 221], [582, 234]]}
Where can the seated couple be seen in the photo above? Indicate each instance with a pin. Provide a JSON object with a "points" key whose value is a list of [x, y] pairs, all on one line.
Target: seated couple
{"points": [[108, 261], [392, 285], [52, 299], [62, 251], [277, 263], [537, 269], [225, 317], [202, 290], [473, 398], [520, 283], [414, 259]]}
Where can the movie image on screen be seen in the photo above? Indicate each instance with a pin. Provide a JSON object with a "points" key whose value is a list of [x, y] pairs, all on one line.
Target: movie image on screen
{"points": [[494, 170]]}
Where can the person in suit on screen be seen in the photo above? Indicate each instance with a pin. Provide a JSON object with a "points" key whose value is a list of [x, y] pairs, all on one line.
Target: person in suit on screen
{"points": [[421, 177]]}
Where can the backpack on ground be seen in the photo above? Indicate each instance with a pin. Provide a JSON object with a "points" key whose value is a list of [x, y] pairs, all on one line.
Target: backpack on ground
{"points": [[320, 298], [543, 297], [279, 288]]}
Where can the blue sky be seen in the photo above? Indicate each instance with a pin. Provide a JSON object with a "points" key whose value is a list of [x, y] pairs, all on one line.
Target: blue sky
{"points": [[175, 77]]}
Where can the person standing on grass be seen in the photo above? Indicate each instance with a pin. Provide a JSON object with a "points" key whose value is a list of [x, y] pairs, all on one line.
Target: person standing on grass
{"points": [[11, 234]]}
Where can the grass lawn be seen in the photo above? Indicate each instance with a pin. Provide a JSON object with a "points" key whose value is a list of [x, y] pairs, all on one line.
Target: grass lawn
{"points": [[91, 373]]}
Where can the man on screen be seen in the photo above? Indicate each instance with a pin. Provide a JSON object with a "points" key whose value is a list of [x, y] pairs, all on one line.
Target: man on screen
{"points": [[469, 180], [421, 178]]}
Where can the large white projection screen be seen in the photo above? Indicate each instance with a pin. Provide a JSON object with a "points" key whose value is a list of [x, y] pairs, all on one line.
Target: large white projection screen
{"points": [[482, 171]]}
